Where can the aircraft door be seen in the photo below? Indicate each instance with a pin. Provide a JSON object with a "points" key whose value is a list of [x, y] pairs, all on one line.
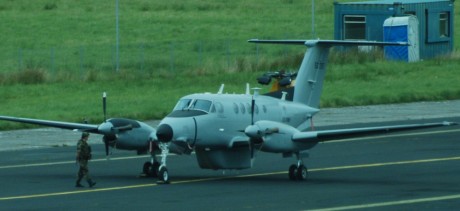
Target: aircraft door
{"points": [[193, 141]]}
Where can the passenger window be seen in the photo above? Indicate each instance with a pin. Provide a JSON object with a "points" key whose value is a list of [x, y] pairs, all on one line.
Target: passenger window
{"points": [[248, 108], [242, 108], [235, 108]]}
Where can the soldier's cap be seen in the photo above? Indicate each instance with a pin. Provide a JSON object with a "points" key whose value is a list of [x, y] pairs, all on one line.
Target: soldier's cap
{"points": [[85, 135]]}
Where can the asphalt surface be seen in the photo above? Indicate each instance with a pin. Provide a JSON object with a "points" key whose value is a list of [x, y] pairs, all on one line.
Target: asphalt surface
{"points": [[400, 171]]}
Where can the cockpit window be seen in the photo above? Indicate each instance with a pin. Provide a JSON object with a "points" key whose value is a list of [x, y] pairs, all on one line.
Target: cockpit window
{"points": [[203, 105], [189, 104], [182, 104]]}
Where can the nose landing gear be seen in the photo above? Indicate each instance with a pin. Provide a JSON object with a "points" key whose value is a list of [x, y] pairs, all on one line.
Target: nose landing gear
{"points": [[153, 168], [163, 175]]}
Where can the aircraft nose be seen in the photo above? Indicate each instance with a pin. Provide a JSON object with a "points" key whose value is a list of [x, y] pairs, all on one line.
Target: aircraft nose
{"points": [[165, 133]]}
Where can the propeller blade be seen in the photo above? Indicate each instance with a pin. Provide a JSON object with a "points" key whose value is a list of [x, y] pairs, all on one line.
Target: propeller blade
{"points": [[252, 110], [106, 141], [106, 149], [104, 105]]}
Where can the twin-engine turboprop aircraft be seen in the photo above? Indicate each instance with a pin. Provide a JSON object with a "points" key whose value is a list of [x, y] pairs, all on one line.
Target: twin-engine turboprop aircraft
{"points": [[226, 130]]}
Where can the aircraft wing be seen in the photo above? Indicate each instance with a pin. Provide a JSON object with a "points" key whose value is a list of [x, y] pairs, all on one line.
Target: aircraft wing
{"points": [[329, 135], [57, 124]]}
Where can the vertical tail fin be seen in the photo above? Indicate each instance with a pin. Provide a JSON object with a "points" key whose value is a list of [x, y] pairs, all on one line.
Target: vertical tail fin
{"points": [[309, 81]]}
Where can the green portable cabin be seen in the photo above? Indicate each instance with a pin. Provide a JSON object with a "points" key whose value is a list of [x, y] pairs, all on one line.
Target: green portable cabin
{"points": [[365, 21]]}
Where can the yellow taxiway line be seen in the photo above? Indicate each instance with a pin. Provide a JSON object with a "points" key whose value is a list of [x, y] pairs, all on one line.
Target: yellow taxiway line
{"points": [[391, 203], [370, 165]]}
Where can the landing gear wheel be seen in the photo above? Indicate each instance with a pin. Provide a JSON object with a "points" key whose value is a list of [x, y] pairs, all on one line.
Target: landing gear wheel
{"points": [[146, 168], [302, 173], [154, 169], [151, 170], [163, 175], [293, 172]]}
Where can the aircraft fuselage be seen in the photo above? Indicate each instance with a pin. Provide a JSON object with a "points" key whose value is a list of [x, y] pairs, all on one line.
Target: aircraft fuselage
{"points": [[213, 125]]}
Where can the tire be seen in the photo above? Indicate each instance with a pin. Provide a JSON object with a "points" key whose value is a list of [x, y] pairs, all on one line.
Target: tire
{"points": [[146, 168], [154, 169], [293, 172], [163, 174], [302, 173]]}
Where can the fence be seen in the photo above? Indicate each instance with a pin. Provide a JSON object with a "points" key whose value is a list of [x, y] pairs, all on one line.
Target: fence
{"points": [[151, 57]]}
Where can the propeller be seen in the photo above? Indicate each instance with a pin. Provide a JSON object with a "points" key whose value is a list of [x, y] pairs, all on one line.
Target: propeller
{"points": [[110, 128], [255, 132], [252, 129], [104, 110], [252, 110]]}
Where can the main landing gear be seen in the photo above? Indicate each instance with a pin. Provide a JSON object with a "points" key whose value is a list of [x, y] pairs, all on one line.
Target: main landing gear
{"points": [[158, 169], [298, 171]]}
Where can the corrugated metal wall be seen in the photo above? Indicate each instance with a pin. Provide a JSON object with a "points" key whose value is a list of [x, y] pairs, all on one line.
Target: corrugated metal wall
{"points": [[427, 13]]}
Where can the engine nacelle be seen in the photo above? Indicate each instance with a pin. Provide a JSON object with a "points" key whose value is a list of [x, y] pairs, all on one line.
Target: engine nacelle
{"points": [[136, 139], [277, 137]]}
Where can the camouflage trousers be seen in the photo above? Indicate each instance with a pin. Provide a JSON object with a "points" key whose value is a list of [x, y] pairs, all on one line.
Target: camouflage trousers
{"points": [[83, 171]]}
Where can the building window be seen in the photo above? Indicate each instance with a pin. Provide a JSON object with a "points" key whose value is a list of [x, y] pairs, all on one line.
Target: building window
{"points": [[354, 27], [444, 24], [438, 25]]}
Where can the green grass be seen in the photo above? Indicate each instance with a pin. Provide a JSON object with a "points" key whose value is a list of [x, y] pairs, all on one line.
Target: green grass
{"points": [[395, 82], [173, 48]]}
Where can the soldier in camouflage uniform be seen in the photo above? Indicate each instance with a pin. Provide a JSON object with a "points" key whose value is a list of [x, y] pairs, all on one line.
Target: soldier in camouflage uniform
{"points": [[83, 155]]}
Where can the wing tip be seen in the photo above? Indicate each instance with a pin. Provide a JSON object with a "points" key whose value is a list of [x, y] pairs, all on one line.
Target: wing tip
{"points": [[446, 123]]}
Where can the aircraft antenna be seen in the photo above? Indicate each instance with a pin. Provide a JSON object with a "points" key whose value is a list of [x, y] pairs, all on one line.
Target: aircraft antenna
{"points": [[221, 89]]}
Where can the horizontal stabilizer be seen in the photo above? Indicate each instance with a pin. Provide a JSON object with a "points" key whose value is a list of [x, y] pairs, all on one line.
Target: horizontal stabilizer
{"points": [[328, 135]]}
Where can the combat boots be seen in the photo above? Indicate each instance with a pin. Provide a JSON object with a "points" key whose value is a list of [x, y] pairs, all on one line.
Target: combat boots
{"points": [[78, 185], [91, 183]]}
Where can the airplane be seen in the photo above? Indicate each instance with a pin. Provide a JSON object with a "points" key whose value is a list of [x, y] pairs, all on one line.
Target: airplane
{"points": [[225, 131]]}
